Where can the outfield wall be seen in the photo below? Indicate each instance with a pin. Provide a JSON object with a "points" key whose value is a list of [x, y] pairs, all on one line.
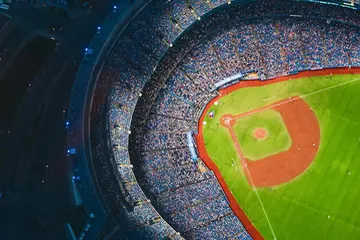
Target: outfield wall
{"points": [[201, 144]]}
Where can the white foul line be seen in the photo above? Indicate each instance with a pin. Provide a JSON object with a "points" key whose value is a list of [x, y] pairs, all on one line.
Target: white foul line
{"points": [[244, 164]]}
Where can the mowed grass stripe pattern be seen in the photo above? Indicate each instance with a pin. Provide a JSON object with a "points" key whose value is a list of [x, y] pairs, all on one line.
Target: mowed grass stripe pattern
{"points": [[322, 203]]}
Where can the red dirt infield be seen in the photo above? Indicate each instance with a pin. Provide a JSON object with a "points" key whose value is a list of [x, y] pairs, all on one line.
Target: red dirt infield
{"points": [[248, 83], [260, 133]]}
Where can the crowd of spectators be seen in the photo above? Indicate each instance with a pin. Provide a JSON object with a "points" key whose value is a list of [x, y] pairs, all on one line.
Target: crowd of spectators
{"points": [[170, 104], [157, 122], [254, 37], [271, 49], [115, 178], [202, 213], [265, 46], [157, 160], [167, 23], [122, 101], [189, 199]]}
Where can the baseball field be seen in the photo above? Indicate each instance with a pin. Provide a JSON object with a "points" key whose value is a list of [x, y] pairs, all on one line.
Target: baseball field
{"points": [[289, 153]]}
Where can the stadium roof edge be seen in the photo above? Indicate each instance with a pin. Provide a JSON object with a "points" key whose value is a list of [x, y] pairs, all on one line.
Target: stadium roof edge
{"points": [[79, 107]]}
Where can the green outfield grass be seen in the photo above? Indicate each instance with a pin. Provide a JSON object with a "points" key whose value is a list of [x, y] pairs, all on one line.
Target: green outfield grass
{"points": [[277, 140], [322, 203]]}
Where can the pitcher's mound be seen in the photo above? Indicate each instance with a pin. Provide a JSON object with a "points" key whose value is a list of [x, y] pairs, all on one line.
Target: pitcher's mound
{"points": [[260, 133]]}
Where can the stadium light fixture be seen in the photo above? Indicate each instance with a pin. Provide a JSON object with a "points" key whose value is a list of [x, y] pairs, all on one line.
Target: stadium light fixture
{"points": [[88, 51], [171, 45]]}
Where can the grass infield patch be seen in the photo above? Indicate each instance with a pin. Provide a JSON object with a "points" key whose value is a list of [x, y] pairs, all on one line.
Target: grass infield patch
{"points": [[276, 141]]}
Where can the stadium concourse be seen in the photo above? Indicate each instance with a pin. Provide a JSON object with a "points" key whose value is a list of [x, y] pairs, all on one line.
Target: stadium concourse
{"points": [[156, 79]]}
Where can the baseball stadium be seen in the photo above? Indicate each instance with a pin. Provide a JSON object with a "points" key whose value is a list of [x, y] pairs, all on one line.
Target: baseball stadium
{"points": [[220, 119]]}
